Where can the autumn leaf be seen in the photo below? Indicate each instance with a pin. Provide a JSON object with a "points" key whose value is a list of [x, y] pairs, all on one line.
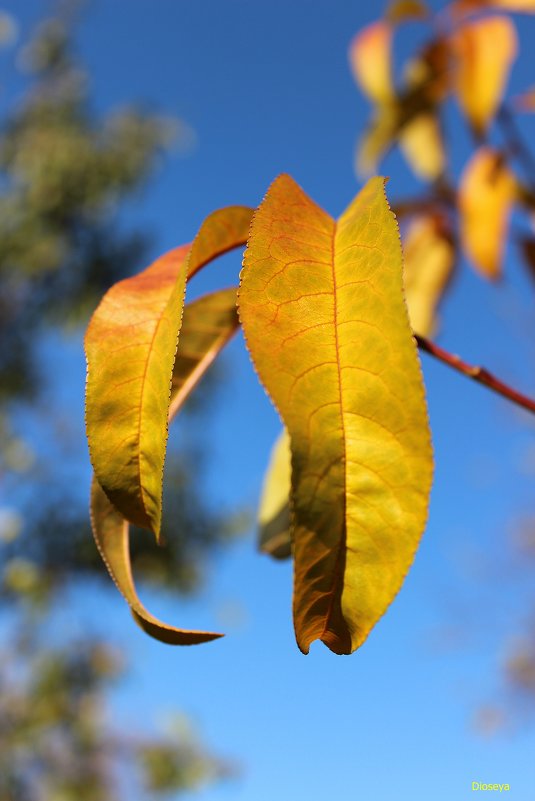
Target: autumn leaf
{"points": [[322, 308], [484, 51], [377, 140], [208, 325], [130, 347], [411, 118], [421, 143], [487, 192], [405, 10], [370, 59], [274, 511], [429, 259], [111, 532], [463, 7]]}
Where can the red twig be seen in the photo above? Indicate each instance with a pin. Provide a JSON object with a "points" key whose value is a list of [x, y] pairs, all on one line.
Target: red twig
{"points": [[478, 374]]}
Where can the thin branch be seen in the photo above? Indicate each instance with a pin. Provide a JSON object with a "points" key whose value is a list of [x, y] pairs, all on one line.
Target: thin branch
{"points": [[479, 374]]}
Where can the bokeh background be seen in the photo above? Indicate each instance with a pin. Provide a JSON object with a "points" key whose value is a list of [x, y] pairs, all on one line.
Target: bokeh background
{"points": [[123, 124]]}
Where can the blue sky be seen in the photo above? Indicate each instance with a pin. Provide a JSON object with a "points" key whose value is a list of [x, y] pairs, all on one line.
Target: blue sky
{"points": [[266, 89]]}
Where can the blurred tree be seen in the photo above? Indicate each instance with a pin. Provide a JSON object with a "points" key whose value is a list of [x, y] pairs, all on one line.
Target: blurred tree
{"points": [[65, 174], [57, 738]]}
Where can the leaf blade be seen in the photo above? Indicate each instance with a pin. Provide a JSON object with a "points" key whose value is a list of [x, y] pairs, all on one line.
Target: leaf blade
{"points": [[111, 534], [487, 192], [298, 294], [429, 262], [484, 51], [370, 58]]}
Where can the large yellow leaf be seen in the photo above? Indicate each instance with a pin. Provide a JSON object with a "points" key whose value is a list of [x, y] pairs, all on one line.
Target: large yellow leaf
{"points": [[322, 308], [130, 347], [486, 194], [429, 259], [208, 325], [274, 511], [484, 51], [371, 61]]}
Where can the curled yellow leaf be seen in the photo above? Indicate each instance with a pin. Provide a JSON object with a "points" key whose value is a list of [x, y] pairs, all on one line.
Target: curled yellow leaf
{"points": [[484, 51], [486, 195], [208, 325], [130, 348], [322, 309], [111, 533]]}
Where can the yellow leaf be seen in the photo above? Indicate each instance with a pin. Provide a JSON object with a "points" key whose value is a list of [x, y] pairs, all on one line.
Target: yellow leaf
{"points": [[130, 347], [514, 6], [322, 308], [484, 51], [370, 59], [208, 325], [421, 143], [464, 7], [429, 259], [377, 140], [404, 10], [486, 195], [274, 511]]}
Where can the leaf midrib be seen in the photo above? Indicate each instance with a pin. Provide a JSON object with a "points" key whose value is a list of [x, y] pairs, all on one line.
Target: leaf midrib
{"points": [[144, 384], [337, 570]]}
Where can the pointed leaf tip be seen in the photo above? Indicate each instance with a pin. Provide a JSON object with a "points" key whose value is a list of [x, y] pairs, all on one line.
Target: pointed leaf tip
{"points": [[111, 533]]}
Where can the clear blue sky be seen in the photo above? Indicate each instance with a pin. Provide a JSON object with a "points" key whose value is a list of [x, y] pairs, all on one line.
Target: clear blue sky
{"points": [[266, 88]]}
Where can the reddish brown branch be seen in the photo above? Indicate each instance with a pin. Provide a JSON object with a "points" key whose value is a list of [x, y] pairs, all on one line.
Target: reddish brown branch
{"points": [[478, 374]]}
